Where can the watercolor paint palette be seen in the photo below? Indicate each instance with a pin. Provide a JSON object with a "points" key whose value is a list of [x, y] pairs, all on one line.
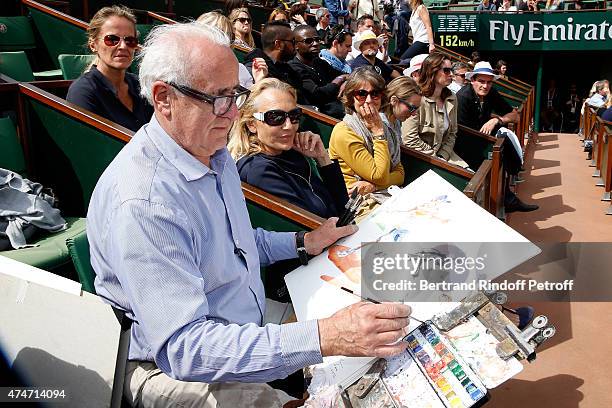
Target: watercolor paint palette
{"points": [[452, 379]]}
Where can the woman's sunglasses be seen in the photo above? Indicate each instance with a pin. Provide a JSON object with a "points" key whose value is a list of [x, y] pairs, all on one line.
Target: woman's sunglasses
{"points": [[411, 108], [361, 95], [277, 117], [111, 40], [243, 20]]}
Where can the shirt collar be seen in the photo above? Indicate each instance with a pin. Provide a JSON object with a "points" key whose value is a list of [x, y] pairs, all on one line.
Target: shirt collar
{"points": [[190, 167], [108, 85]]}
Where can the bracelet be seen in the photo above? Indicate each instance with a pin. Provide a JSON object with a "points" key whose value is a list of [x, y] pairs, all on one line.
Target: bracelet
{"points": [[301, 248]]}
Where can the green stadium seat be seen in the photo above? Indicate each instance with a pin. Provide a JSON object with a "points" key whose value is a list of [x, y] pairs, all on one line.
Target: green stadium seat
{"points": [[17, 34], [11, 153], [15, 64], [73, 66], [78, 247]]}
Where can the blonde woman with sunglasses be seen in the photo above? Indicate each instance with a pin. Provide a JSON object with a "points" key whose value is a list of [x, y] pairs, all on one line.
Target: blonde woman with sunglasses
{"points": [[433, 129], [107, 89], [367, 149], [243, 28], [271, 154]]}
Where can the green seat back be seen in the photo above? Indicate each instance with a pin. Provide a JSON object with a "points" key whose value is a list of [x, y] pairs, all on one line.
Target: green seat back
{"points": [[316, 126], [239, 55], [73, 66], [15, 64], [78, 247], [17, 34], [415, 168], [11, 153], [59, 36]]}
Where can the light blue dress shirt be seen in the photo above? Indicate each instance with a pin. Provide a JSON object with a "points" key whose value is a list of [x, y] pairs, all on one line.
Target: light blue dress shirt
{"points": [[172, 246]]}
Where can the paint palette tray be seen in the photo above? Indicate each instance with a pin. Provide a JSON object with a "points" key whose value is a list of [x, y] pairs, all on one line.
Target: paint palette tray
{"points": [[452, 379]]}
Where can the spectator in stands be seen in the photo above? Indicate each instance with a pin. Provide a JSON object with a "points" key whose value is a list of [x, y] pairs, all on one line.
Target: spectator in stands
{"points": [[279, 14], [554, 5], [107, 89], [278, 44], [507, 7], [551, 107], [482, 108], [571, 112], [607, 114], [323, 23], [501, 69], [318, 80], [305, 3], [259, 68], [422, 32], [529, 5], [173, 247], [339, 12], [297, 15], [599, 98], [414, 70], [403, 97], [364, 23], [486, 5], [360, 8], [242, 27], [339, 44], [271, 154], [368, 153], [433, 128], [459, 81], [368, 44], [474, 58]]}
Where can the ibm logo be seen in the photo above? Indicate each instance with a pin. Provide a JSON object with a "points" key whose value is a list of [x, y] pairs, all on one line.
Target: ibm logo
{"points": [[457, 23]]}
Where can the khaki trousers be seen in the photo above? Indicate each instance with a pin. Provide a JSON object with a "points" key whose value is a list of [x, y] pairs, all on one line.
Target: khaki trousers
{"points": [[147, 386]]}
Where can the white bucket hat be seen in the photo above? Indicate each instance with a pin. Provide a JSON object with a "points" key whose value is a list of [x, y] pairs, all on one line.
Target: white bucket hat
{"points": [[415, 64], [482, 68], [366, 35]]}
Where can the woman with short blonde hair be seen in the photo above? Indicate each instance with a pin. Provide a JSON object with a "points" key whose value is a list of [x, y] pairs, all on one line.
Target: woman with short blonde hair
{"points": [[272, 155]]}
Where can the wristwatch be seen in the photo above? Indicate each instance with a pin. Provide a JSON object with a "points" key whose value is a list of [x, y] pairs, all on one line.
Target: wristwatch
{"points": [[301, 248], [379, 137]]}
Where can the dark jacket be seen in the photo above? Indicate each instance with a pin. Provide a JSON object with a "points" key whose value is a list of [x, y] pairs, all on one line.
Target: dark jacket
{"points": [[472, 114], [279, 70], [94, 92], [290, 177], [317, 87]]}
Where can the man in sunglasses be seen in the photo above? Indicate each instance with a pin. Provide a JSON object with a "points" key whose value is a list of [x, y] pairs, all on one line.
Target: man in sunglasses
{"points": [[278, 48], [319, 82], [459, 71], [173, 247], [482, 108]]}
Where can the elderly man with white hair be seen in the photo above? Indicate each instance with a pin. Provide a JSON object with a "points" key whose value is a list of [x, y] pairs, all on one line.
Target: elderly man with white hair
{"points": [[173, 247]]}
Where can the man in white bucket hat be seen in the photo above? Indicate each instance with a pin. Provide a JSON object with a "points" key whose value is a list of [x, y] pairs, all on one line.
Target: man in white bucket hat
{"points": [[368, 43], [482, 108], [414, 70]]}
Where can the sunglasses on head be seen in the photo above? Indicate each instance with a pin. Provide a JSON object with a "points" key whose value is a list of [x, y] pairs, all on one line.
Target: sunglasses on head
{"points": [[243, 20], [310, 40], [447, 70], [277, 117], [111, 40], [411, 108], [361, 95]]}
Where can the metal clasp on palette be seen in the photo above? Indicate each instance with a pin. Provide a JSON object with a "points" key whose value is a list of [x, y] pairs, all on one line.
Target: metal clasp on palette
{"points": [[370, 390], [512, 341]]}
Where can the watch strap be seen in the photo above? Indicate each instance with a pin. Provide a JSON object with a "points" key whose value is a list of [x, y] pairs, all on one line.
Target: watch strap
{"points": [[301, 248]]}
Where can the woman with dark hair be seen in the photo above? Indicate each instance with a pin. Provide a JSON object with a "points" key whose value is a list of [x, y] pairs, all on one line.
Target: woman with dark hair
{"points": [[107, 89], [433, 129], [271, 154], [297, 15], [367, 150], [501, 69]]}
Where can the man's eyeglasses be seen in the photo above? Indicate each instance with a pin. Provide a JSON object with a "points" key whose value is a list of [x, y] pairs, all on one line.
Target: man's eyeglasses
{"points": [[447, 70], [460, 75], [277, 117], [221, 103], [361, 95], [310, 40], [411, 108], [243, 20], [111, 40]]}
